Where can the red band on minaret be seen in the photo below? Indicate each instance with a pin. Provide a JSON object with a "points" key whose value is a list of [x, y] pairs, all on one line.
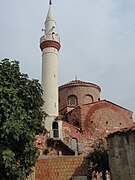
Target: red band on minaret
{"points": [[47, 44]]}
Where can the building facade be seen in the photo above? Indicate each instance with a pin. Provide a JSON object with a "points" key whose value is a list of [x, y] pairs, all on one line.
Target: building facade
{"points": [[77, 116]]}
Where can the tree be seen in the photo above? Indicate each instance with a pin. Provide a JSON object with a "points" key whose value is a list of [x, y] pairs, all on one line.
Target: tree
{"points": [[98, 160], [21, 117]]}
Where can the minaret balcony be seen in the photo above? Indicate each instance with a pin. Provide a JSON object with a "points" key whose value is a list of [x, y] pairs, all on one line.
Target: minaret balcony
{"points": [[50, 37]]}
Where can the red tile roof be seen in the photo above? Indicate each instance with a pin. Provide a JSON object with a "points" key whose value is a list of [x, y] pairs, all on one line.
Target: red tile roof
{"points": [[123, 130], [79, 83]]}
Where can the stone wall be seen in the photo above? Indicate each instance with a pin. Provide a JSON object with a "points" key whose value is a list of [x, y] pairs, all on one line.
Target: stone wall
{"points": [[61, 168], [121, 150]]}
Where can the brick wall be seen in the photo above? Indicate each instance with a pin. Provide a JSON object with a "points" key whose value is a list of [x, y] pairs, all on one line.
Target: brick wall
{"points": [[60, 168], [74, 116], [80, 91], [96, 119], [105, 117]]}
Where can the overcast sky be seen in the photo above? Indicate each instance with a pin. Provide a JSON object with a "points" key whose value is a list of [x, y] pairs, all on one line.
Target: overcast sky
{"points": [[97, 37]]}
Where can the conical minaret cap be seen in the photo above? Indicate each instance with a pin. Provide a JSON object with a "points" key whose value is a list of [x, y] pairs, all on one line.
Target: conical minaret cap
{"points": [[50, 23], [51, 37], [50, 15]]}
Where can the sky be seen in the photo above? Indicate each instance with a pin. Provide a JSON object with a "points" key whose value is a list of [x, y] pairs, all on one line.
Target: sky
{"points": [[97, 38]]}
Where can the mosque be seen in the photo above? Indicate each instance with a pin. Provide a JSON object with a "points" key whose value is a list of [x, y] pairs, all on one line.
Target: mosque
{"points": [[77, 118]]}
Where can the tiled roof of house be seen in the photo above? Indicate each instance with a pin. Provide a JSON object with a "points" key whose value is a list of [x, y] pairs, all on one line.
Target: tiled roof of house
{"points": [[123, 130]]}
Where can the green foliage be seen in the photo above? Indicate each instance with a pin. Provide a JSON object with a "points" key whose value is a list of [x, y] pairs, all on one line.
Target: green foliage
{"points": [[98, 159], [21, 118]]}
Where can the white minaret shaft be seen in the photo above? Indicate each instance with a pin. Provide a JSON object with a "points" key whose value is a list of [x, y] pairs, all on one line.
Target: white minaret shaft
{"points": [[50, 45]]}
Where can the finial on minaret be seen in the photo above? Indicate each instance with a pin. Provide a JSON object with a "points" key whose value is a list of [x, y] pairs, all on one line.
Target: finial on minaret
{"points": [[50, 2]]}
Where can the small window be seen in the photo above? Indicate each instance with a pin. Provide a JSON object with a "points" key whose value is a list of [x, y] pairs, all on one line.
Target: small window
{"points": [[55, 129], [72, 101], [88, 99], [74, 144]]}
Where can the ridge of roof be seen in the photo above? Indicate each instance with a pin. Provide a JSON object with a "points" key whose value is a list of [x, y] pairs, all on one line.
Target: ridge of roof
{"points": [[104, 100], [118, 105]]}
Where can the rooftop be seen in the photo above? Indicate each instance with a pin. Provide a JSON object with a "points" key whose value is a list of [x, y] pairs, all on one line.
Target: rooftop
{"points": [[79, 83], [123, 130]]}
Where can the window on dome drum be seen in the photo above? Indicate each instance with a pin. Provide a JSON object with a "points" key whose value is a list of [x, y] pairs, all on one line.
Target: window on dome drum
{"points": [[88, 99], [72, 100]]}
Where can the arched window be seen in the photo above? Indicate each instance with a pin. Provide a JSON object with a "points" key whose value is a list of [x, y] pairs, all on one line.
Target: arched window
{"points": [[72, 100], [88, 99], [55, 129], [74, 144]]}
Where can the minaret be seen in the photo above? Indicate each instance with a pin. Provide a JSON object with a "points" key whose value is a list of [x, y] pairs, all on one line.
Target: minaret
{"points": [[50, 46]]}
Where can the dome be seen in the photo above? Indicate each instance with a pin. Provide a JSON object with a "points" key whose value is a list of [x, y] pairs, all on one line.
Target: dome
{"points": [[79, 83], [77, 93]]}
